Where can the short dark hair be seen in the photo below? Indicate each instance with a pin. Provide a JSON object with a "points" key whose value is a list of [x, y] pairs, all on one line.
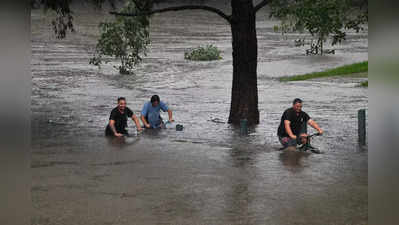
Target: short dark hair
{"points": [[297, 100], [121, 98], [155, 98]]}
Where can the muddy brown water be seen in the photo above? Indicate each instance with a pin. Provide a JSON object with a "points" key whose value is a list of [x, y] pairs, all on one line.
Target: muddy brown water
{"points": [[207, 173]]}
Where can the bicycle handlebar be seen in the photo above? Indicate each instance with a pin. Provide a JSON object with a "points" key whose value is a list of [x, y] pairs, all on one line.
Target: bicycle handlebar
{"points": [[315, 134]]}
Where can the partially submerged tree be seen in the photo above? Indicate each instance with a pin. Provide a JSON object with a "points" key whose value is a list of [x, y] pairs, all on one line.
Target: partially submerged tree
{"points": [[323, 19], [244, 94], [244, 97], [64, 19], [125, 39], [203, 53]]}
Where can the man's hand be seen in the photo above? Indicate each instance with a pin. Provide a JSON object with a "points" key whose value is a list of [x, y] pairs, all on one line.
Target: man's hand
{"points": [[146, 124], [170, 114], [315, 126], [288, 129], [139, 129], [118, 135], [303, 138]]}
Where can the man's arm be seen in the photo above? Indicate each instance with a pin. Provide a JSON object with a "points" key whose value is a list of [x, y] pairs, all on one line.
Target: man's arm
{"points": [[144, 112], [112, 126], [146, 124], [313, 124], [137, 122], [288, 129], [165, 108], [170, 115]]}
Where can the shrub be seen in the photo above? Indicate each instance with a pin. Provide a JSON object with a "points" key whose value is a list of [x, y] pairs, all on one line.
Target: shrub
{"points": [[364, 84], [125, 38], [206, 53]]}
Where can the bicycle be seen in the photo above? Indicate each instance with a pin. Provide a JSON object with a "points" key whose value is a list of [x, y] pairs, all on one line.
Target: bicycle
{"points": [[308, 146]]}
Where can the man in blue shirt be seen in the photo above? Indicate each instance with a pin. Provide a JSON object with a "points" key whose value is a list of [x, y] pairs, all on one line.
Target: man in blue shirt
{"points": [[150, 114]]}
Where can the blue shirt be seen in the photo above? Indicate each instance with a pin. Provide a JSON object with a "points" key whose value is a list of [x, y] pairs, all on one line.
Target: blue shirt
{"points": [[152, 114]]}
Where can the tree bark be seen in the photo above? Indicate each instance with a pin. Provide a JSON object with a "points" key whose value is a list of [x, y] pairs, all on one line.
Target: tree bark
{"points": [[244, 96]]}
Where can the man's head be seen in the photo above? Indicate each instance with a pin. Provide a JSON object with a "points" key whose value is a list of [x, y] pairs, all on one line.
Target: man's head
{"points": [[297, 104], [155, 100], [121, 103]]}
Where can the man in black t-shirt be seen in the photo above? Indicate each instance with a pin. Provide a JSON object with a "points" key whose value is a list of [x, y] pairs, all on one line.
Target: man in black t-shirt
{"points": [[293, 125], [118, 120]]}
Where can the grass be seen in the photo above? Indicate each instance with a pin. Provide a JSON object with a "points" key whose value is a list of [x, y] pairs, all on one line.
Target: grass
{"points": [[351, 69], [364, 84]]}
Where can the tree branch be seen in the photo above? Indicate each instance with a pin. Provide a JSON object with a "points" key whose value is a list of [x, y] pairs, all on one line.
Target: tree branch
{"points": [[178, 8], [261, 5]]}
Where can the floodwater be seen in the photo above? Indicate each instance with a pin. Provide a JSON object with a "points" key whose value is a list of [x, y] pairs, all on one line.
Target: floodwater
{"points": [[207, 173]]}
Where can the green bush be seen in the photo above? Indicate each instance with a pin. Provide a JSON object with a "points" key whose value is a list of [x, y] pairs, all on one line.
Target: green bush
{"points": [[364, 84], [206, 53], [125, 38]]}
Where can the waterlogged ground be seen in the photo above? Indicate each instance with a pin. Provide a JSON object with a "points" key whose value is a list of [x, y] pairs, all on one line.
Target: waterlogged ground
{"points": [[208, 173]]}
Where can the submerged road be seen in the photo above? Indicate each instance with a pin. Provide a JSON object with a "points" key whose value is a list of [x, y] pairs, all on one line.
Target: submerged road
{"points": [[207, 173]]}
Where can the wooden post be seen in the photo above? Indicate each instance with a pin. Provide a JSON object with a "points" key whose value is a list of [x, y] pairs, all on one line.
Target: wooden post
{"points": [[361, 114], [244, 127]]}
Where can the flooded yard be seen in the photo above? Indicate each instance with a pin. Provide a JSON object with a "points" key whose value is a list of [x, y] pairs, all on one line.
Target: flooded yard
{"points": [[207, 173]]}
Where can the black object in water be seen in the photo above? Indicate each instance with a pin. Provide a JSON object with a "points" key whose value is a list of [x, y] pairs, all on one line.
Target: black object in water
{"points": [[179, 127]]}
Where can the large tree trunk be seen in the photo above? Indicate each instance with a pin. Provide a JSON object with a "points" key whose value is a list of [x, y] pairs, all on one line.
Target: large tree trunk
{"points": [[244, 96]]}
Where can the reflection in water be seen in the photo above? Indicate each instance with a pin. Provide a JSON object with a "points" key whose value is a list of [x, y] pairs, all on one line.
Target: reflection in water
{"points": [[122, 142], [242, 156], [292, 159], [153, 133], [239, 199]]}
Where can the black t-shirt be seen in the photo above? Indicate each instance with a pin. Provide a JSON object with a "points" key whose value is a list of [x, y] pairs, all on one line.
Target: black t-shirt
{"points": [[297, 121], [120, 118]]}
